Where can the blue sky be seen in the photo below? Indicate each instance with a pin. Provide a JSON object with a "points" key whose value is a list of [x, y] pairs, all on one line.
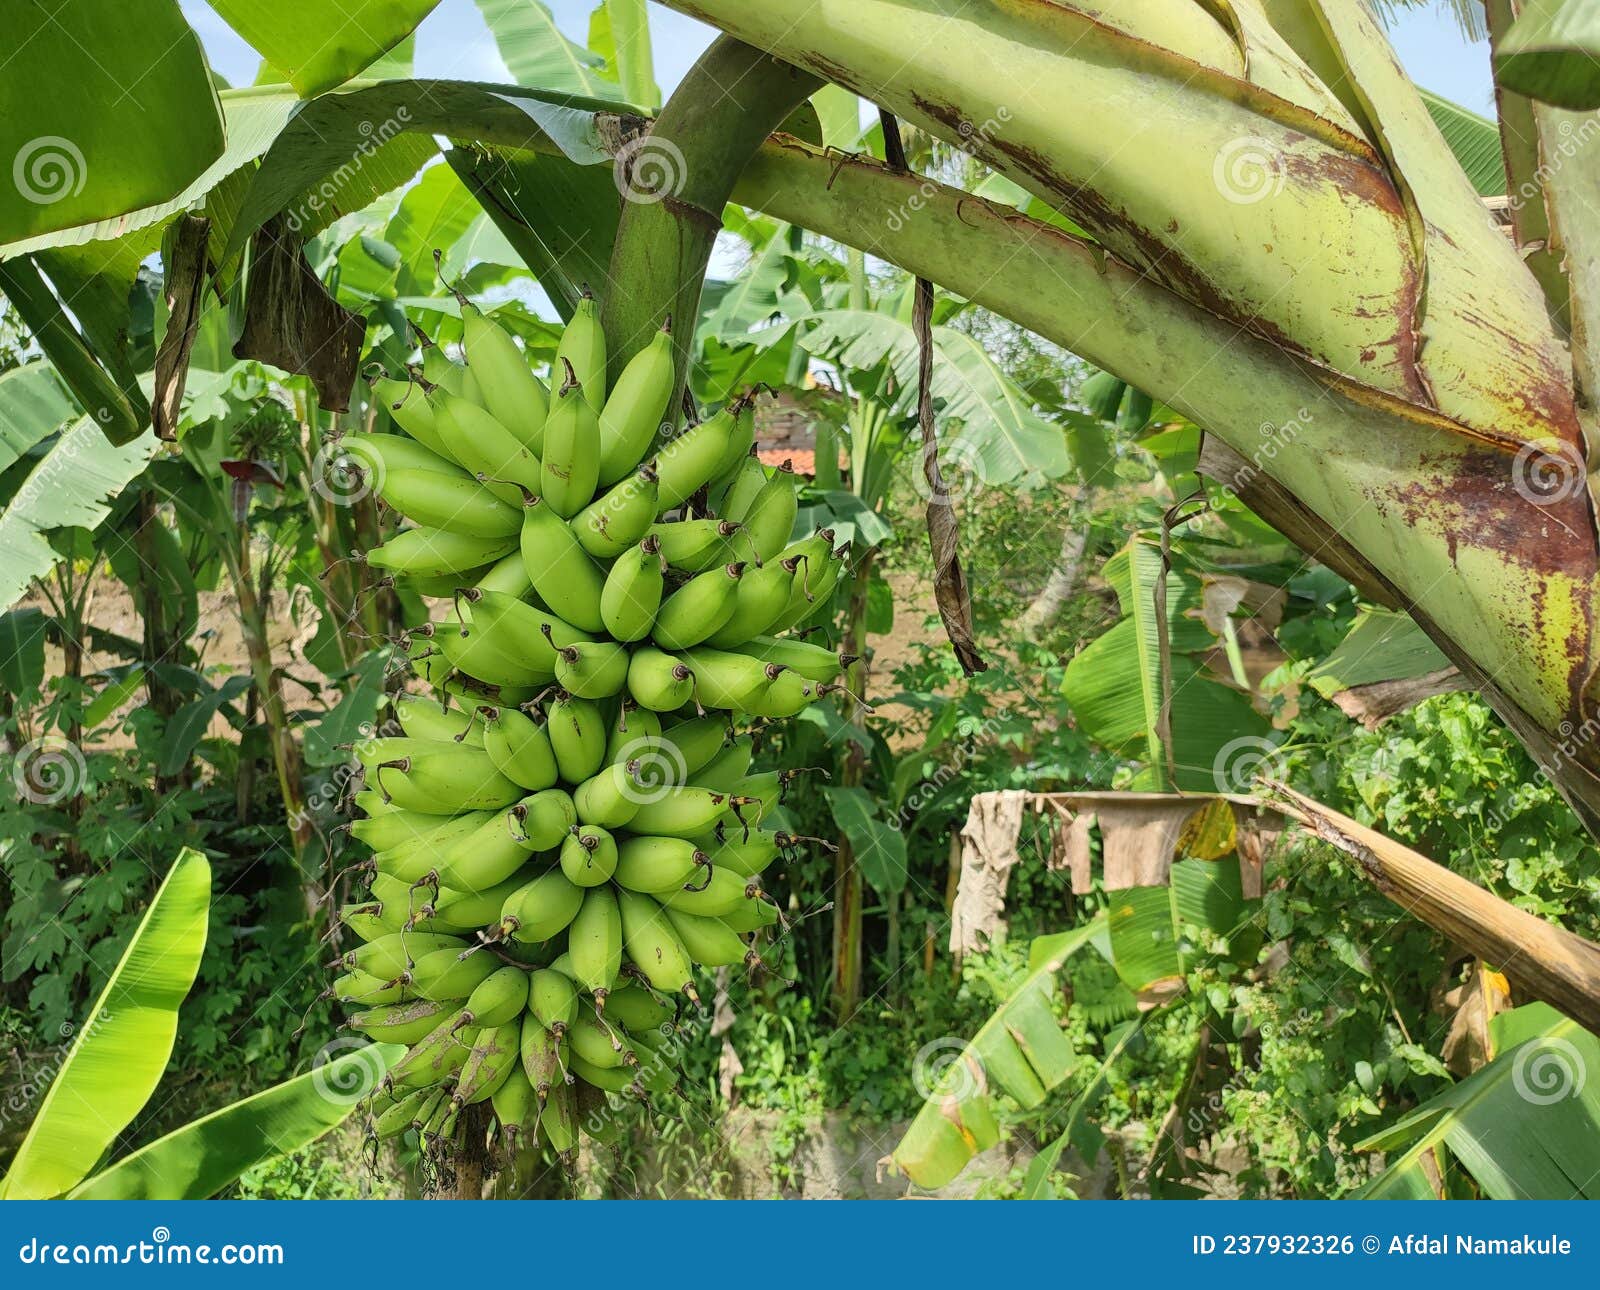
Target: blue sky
{"points": [[453, 42]]}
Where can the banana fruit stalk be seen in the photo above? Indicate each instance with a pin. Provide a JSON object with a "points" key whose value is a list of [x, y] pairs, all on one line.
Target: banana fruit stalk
{"points": [[570, 825]]}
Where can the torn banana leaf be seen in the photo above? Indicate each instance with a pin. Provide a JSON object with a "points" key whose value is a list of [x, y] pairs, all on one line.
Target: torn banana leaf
{"points": [[1021, 1050]]}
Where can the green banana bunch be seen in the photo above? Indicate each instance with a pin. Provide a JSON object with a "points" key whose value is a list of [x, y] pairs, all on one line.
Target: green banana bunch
{"points": [[570, 823]]}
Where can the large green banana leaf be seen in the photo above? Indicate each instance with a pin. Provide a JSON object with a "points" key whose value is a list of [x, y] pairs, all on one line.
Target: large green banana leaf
{"points": [[70, 486], [536, 52], [1114, 684], [205, 1155], [1523, 1128], [319, 45], [119, 1053], [103, 109], [33, 406], [1552, 53], [1021, 1050]]}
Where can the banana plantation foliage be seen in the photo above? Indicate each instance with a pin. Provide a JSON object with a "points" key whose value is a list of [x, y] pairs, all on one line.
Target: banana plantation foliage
{"points": [[902, 597]]}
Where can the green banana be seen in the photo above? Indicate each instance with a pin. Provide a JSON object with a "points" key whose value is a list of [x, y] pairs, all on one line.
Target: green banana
{"points": [[444, 974], [648, 865], [571, 461], [500, 997], [686, 464], [637, 1010], [725, 892], [709, 942], [541, 908], [768, 521], [763, 594], [696, 545], [408, 408], [458, 505], [484, 446], [433, 1058], [517, 1110], [636, 407], [560, 569], [698, 608], [592, 669], [728, 767], [428, 719], [541, 822], [469, 909], [399, 1023], [686, 811], [441, 783], [426, 552], [618, 518], [544, 1055], [588, 856], [595, 942], [485, 857], [382, 453], [513, 394], [553, 1002], [610, 797], [594, 1042], [653, 946], [631, 596], [577, 736], [583, 346], [519, 745], [659, 681], [490, 1063], [558, 1121], [813, 661]]}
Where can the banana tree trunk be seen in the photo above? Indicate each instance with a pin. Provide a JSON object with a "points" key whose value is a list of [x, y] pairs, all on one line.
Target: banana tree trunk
{"points": [[1276, 242]]}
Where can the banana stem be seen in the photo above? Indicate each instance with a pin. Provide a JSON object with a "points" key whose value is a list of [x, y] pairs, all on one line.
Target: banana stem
{"points": [[716, 119]]}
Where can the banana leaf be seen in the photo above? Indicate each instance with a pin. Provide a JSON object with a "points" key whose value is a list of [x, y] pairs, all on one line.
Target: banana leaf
{"points": [[33, 406], [1522, 1128], [205, 1155], [318, 45], [1021, 1050], [536, 52], [119, 1053], [70, 486], [1550, 54]]}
